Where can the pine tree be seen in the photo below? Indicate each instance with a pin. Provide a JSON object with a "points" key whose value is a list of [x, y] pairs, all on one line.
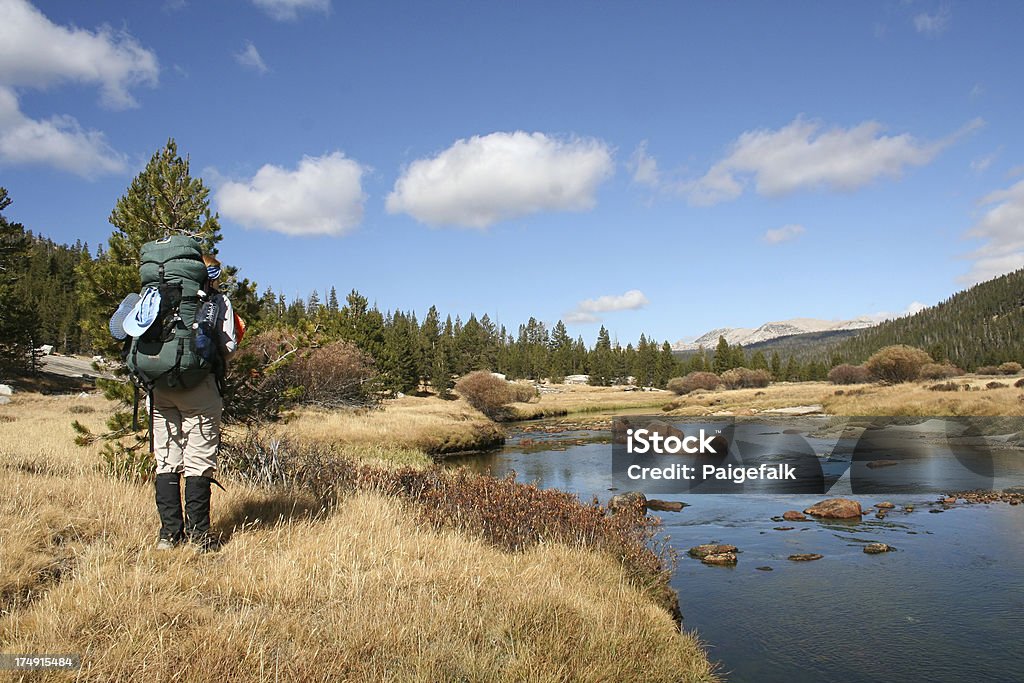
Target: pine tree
{"points": [[163, 199], [19, 322], [723, 356]]}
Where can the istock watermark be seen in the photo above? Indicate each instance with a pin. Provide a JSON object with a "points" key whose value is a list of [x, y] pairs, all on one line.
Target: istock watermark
{"points": [[818, 454]]}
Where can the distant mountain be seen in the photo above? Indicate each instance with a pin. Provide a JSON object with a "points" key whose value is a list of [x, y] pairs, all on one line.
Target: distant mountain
{"points": [[773, 330]]}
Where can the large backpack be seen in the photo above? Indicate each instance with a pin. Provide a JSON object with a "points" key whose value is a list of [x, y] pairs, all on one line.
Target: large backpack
{"points": [[165, 354]]}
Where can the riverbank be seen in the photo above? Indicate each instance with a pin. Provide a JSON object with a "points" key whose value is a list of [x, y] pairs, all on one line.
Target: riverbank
{"points": [[362, 592]]}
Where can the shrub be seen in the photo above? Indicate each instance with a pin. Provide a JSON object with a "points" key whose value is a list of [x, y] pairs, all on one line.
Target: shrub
{"points": [[744, 378], [849, 374], [987, 370], [939, 371], [996, 385], [79, 409], [1010, 368], [490, 395], [707, 381], [1019, 383], [899, 363], [277, 369], [946, 386]]}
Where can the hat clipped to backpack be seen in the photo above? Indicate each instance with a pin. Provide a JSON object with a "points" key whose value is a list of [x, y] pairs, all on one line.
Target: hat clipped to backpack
{"points": [[116, 324], [143, 313]]}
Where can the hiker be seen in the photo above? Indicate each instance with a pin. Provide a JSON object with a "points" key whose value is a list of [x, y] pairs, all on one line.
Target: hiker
{"points": [[186, 433]]}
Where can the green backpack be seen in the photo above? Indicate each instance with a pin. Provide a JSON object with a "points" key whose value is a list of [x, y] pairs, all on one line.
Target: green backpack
{"points": [[165, 354]]}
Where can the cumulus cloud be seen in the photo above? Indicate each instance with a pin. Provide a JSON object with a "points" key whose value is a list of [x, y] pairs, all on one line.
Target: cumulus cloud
{"points": [[58, 141], [1002, 229], [486, 179], [288, 10], [323, 196], [804, 156], [35, 52], [588, 310], [783, 234], [933, 24], [250, 58]]}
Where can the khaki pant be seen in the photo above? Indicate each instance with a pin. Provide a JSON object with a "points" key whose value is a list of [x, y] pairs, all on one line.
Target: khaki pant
{"points": [[186, 428]]}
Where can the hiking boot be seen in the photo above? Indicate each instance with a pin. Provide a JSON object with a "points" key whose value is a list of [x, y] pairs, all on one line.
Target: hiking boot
{"points": [[197, 514], [168, 505]]}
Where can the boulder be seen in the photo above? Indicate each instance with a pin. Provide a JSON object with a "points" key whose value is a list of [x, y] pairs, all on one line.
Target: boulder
{"points": [[875, 548], [665, 505], [632, 501], [806, 557], [702, 551], [793, 516], [885, 506], [6, 390], [835, 508], [719, 558]]}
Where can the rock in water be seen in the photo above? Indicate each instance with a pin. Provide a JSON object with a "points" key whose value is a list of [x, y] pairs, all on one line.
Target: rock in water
{"points": [[665, 505], [884, 506], [835, 508], [719, 558], [702, 551], [633, 501], [875, 548], [806, 557], [793, 516]]}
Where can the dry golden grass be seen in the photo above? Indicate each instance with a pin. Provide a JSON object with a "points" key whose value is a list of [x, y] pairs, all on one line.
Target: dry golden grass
{"points": [[570, 399], [912, 398], [427, 425], [363, 593]]}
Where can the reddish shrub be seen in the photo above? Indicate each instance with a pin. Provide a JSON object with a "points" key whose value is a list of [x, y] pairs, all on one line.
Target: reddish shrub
{"points": [[939, 371], [849, 374], [744, 378], [996, 385], [987, 370], [490, 395], [1019, 383], [707, 381], [1010, 368], [899, 363]]}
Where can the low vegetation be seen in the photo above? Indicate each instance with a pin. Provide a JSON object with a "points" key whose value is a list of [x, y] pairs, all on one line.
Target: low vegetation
{"points": [[849, 374], [491, 395], [693, 381], [368, 587], [898, 363]]}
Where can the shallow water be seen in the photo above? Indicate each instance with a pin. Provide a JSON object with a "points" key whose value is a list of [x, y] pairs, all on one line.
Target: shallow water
{"points": [[947, 605]]}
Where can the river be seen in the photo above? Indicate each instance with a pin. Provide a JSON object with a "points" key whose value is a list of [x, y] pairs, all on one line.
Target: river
{"points": [[946, 605]]}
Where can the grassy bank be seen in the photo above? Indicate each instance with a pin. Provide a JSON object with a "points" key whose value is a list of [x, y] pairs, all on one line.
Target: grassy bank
{"points": [[364, 592], [911, 398], [566, 399]]}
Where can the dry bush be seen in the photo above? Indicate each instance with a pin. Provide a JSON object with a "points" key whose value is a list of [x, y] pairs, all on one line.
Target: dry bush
{"points": [[1010, 368], [1019, 383], [849, 374], [79, 409], [707, 381], [996, 385], [490, 395], [939, 371], [946, 386], [987, 370], [898, 363], [745, 378], [275, 370]]}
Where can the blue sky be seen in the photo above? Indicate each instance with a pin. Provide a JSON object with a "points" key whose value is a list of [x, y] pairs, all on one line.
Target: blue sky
{"points": [[660, 167]]}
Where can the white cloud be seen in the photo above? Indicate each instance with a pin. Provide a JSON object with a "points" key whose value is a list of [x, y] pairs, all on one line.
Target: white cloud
{"points": [[644, 167], [58, 141], [485, 179], [35, 52], [935, 24], [982, 163], [288, 10], [250, 57], [911, 309], [323, 196], [1002, 229], [783, 234], [803, 156], [587, 310]]}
